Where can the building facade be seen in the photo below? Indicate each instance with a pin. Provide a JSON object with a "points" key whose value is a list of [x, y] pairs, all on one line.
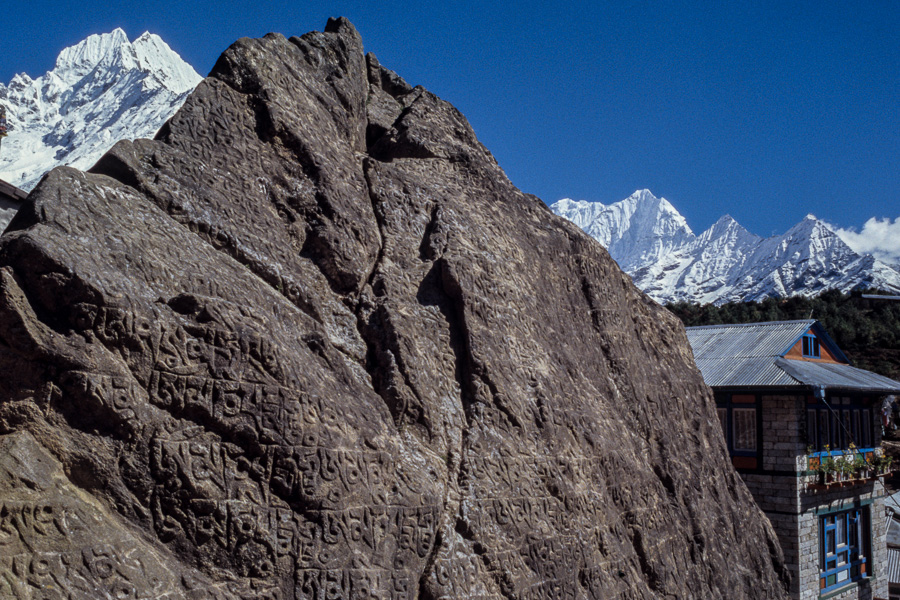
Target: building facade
{"points": [[10, 194], [11, 199], [802, 428]]}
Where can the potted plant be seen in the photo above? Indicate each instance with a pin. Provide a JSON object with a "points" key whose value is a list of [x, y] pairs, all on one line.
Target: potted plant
{"points": [[883, 464], [827, 469], [861, 466], [845, 468]]}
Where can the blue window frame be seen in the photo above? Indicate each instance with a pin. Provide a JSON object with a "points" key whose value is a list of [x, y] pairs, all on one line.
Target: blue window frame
{"points": [[811, 346], [843, 548]]}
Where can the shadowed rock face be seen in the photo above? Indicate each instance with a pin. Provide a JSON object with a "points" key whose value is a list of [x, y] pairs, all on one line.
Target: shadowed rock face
{"points": [[311, 343]]}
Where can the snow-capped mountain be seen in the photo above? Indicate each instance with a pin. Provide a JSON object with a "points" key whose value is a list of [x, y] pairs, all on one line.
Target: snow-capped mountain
{"points": [[101, 90], [652, 242], [637, 231]]}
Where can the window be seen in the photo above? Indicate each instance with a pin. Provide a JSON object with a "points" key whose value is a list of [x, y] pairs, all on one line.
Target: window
{"points": [[838, 423], [865, 428], [810, 346], [744, 434], [843, 547], [739, 418], [847, 428], [825, 418]]}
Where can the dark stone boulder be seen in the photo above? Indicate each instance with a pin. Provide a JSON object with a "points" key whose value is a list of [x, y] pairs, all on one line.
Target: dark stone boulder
{"points": [[311, 343]]}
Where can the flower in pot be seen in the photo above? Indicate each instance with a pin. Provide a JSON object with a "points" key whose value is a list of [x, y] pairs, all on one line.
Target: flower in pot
{"points": [[827, 469], [883, 464], [861, 466], [812, 462], [845, 468]]}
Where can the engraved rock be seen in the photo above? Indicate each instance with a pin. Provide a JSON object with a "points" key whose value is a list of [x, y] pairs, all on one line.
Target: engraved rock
{"points": [[312, 343]]}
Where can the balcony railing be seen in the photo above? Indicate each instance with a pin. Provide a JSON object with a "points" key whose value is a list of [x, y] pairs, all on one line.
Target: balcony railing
{"points": [[846, 467]]}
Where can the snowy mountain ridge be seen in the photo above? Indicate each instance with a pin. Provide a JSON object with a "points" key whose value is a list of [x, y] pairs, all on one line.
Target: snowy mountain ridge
{"points": [[100, 91], [640, 229], [652, 242]]}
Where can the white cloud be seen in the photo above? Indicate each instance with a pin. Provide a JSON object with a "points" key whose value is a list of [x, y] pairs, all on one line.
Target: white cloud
{"points": [[881, 238]]}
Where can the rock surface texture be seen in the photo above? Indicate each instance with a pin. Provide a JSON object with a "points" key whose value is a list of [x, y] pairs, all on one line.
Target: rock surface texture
{"points": [[310, 343]]}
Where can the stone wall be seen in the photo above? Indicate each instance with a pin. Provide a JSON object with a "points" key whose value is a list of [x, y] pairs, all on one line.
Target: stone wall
{"points": [[784, 443], [776, 489]]}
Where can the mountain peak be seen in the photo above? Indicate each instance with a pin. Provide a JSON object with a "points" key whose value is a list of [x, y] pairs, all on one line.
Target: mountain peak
{"points": [[726, 222], [811, 226], [20, 81], [638, 228], [86, 54], [154, 55], [649, 239], [644, 196], [101, 90]]}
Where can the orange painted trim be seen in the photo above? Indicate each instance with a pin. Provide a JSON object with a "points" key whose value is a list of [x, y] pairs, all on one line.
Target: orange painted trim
{"points": [[744, 462], [825, 356]]}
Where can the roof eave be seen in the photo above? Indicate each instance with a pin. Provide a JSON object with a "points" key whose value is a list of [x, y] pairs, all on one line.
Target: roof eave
{"points": [[803, 387]]}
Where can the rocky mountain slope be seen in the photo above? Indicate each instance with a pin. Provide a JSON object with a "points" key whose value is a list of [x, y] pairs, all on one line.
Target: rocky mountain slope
{"points": [[652, 242], [311, 343], [100, 91]]}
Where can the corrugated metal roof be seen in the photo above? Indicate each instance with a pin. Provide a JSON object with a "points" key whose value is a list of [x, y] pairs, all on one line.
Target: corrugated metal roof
{"points": [[12, 193], [893, 526], [747, 340], [836, 376], [739, 372], [750, 355], [893, 565]]}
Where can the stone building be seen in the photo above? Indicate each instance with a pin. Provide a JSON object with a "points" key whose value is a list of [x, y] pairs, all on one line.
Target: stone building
{"points": [[11, 194], [893, 546], [11, 198], [792, 407]]}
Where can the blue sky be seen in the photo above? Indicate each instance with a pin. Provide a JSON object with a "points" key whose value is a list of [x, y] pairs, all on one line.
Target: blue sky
{"points": [[763, 110]]}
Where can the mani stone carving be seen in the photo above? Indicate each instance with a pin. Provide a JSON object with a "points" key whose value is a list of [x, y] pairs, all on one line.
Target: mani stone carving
{"points": [[311, 343]]}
